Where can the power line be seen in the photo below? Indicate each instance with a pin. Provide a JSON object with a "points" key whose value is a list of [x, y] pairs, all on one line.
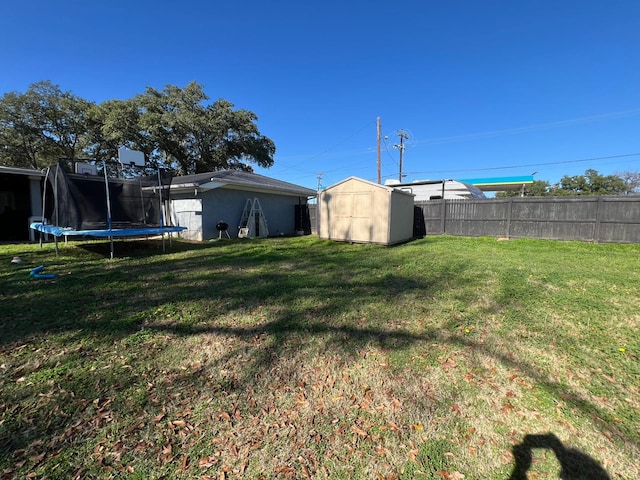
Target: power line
{"points": [[530, 164], [368, 124], [530, 128]]}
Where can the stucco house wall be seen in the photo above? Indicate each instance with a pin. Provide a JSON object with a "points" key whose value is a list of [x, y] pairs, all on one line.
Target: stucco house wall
{"points": [[200, 215], [199, 202]]}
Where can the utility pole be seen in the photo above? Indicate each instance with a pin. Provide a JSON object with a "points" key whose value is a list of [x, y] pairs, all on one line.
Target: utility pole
{"points": [[319, 175], [379, 173], [403, 136]]}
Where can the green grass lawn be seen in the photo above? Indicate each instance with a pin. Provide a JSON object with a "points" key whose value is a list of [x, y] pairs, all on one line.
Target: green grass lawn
{"points": [[444, 358]]}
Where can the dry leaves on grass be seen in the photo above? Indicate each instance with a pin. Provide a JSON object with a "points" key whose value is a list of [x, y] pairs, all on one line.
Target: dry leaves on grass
{"points": [[450, 475]]}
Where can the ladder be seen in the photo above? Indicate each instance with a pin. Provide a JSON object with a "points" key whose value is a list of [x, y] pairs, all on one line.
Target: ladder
{"points": [[253, 222]]}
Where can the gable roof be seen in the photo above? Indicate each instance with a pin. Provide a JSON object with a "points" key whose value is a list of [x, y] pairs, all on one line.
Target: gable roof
{"points": [[388, 188], [238, 180]]}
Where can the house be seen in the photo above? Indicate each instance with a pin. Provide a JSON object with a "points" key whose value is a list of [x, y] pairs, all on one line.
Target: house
{"points": [[20, 202], [359, 211], [249, 204]]}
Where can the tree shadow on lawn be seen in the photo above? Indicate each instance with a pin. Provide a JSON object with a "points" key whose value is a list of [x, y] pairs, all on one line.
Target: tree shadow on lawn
{"points": [[115, 298], [313, 296]]}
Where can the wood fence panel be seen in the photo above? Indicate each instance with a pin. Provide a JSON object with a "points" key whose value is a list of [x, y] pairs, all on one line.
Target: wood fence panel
{"points": [[619, 220], [476, 218], [588, 218]]}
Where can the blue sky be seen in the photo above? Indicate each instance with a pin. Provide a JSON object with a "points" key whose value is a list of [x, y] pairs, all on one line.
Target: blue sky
{"points": [[483, 88]]}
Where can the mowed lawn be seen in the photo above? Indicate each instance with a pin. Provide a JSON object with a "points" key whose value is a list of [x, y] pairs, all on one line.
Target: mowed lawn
{"points": [[443, 358]]}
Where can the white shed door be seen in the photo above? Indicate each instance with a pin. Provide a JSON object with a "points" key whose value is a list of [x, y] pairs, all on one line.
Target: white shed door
{"points": [[352, 217]]}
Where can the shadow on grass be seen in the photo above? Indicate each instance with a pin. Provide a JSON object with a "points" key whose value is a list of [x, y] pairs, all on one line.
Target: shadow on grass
{"points": [[319, 291], [574, 464]]}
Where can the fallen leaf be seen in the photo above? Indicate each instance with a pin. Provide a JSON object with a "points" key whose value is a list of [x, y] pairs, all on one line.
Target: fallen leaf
{"points": [[507, 407], [359, 431], [448, 364], [380, 450], [305, 471], [412, 455], [37, 458], [207, 462]]}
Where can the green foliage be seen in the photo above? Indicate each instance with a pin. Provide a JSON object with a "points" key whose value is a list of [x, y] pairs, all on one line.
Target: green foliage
{"points": [[591, 183], [41, 126], [631, 180], [539, 188], [201, 137], [175, 127]]}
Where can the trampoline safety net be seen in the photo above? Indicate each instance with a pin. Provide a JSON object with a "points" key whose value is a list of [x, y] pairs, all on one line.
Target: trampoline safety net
{"points": [[80, 201]]}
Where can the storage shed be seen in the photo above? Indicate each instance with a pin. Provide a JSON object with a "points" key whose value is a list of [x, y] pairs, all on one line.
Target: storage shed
{"points": [[359, 211], [251, 205]]}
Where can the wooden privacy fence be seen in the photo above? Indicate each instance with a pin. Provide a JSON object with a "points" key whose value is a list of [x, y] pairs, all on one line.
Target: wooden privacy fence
{"points": [[601, 219]]}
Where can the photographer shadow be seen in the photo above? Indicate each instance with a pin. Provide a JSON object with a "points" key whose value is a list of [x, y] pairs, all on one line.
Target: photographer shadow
{"points": [[574, 464]]}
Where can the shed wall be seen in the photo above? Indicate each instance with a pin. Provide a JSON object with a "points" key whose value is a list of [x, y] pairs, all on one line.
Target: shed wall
{"points": [[358, 211], [401, 218]]}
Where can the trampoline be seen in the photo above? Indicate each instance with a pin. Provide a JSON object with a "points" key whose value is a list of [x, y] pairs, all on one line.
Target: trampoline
{"points": [[89, 206]]}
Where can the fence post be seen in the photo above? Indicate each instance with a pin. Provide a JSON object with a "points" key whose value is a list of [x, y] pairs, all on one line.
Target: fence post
{"points": [[509, 208], [596, 233], [443, 220]]}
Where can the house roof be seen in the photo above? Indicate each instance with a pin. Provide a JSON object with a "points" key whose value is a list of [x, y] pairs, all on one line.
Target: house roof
{"points": [[21, 171], [236, 179]]}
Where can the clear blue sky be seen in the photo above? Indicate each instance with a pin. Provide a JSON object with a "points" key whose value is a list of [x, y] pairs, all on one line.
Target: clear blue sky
{"points": [[484, 88]]}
